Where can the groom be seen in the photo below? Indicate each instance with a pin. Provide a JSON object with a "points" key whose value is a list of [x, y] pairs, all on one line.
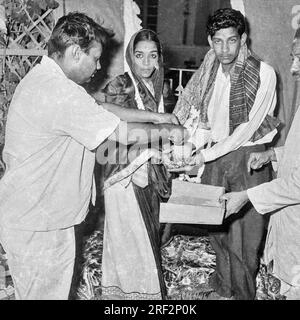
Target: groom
{"points": [[233, 96]]}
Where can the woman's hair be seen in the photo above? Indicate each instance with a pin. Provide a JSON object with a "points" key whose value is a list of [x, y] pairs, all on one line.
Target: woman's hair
{"points": [[76, 28], [148, 35], [226, 18]]}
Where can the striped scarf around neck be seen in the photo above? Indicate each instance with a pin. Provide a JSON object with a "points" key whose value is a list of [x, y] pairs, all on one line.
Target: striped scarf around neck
{"points": [[245, 81]]}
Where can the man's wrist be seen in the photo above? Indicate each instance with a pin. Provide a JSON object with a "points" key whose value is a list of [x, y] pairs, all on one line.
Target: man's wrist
{"points": [[155, 117], [204, 154], [272, 154], [199, 158], [245, 195]]}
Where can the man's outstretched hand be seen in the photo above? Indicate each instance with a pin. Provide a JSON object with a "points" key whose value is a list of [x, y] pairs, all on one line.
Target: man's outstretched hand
{"points": [[234, 201], [259, 159]]}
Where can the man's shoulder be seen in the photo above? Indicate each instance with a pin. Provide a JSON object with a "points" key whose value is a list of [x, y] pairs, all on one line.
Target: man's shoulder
{"points": [[264, 66], [267, 71], [254, 58], [267, 66], [49, 89], [40, 77]]}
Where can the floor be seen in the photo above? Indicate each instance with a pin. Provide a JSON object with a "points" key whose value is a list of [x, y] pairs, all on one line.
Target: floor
{"points": [[188, 260], [6, 285]]}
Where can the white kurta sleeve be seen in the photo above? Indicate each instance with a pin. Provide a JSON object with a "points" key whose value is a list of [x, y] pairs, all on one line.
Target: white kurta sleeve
{"points": [[80, 117], [264, 104], [279, 152], [279, 193]]}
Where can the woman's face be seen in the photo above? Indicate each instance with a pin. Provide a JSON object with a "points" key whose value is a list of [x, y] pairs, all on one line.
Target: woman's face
{"points": [[145, 58]]}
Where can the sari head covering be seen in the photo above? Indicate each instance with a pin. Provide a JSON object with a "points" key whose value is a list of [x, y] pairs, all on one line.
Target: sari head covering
{"points": [[150, 102]]}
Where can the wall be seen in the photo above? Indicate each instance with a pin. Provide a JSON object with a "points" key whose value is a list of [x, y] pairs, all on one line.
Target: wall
{"points": [[171, 25], [170, 30], [204, 9], [175, 56], [110, 15], [272, 28], [170, 21]]}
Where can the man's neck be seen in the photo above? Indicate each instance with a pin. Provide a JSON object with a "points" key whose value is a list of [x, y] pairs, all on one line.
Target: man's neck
{"points": [[226, 68], [64, 66]]}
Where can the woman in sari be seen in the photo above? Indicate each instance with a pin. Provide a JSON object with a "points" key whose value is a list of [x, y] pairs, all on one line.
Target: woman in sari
{"points": [[131, 263]]}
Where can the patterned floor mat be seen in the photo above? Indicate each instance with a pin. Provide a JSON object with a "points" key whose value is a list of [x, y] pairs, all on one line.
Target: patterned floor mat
{"points": [[187, 264], [6, 285], [187, 261]]}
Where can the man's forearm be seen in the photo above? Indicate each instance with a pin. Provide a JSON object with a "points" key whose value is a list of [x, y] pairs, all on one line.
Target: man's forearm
{"points": [[130, 115], [142, 133]]}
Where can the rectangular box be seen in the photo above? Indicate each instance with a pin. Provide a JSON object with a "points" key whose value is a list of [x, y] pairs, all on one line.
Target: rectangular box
{"points": [[193, 203]]}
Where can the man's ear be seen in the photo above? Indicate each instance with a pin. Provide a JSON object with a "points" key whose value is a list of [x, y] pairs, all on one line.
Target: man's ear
{"points": [[209, 41], [243, 38], [76, 52]]}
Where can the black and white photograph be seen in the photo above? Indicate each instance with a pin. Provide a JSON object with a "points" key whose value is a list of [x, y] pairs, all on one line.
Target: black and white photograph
{"points": [[149, 152]]}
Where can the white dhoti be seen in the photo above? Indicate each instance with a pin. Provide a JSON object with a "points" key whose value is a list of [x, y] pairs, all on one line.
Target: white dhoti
{"points": [[41, 263]]}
